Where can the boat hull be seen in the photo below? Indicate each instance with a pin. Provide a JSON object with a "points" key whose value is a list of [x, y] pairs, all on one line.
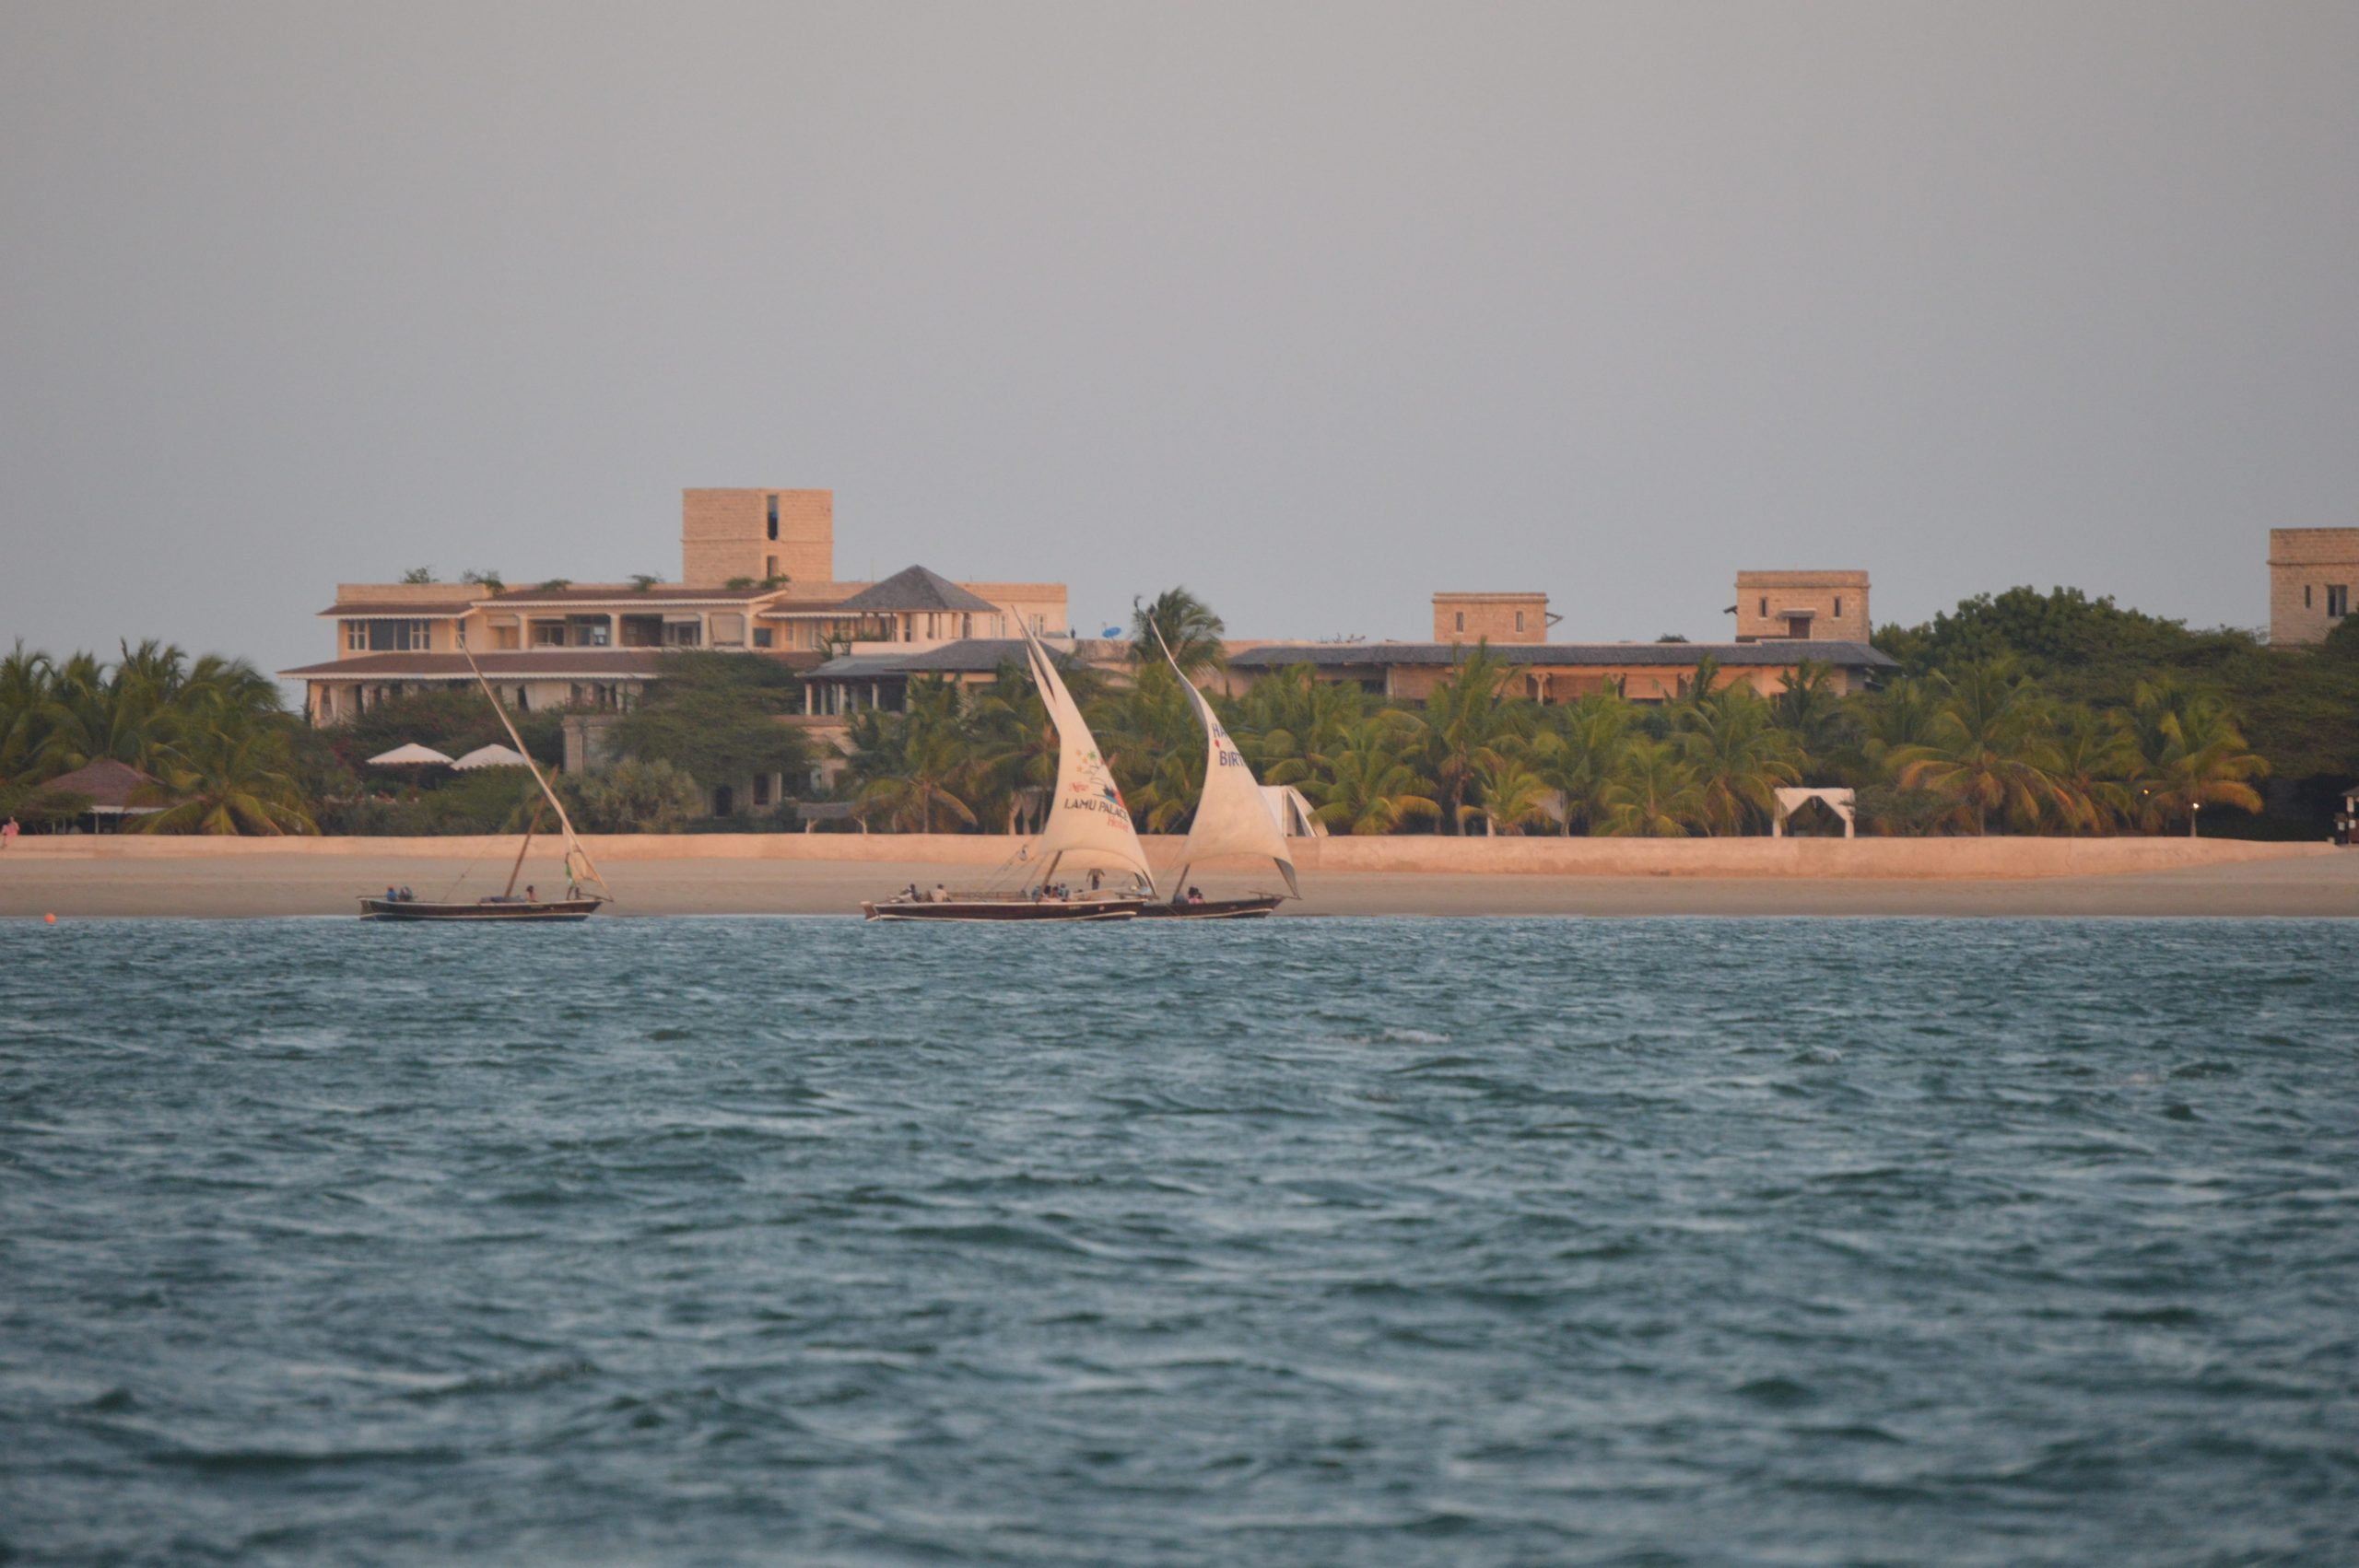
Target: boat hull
{"points": [[1258, 907], [560, 910], [996, 911]]}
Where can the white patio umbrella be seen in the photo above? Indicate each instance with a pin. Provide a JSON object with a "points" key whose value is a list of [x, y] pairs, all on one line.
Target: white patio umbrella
{"points": [[411, 756], [490, 757]]}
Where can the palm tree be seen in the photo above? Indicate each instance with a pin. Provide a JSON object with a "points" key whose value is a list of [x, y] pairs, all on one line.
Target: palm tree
{"points": [[2190, 754], [1467, 726], [1013, 754], [1189, 627], [231, 780], [915, 762], [1365, 787], [1808, 706], [1289, 716], [25, 686], [1653, 795], [1738, 756], [2088, 760], [1155, 744], [1510, 796], [1577, 755], [1983, 749]]}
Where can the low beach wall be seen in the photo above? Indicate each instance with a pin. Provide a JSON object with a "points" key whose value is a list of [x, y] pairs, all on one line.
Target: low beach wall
{"points": [[1867, 858]]}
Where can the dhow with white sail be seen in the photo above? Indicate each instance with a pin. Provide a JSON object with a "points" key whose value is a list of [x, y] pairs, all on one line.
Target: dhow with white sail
{"points": [[1088, 831], [1232, 822]]}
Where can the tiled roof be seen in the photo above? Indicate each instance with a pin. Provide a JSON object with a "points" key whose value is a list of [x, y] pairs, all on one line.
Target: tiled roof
{"points": [[1731, 655], [623, 593], [915, 588], [444, 610], [544, 663]]}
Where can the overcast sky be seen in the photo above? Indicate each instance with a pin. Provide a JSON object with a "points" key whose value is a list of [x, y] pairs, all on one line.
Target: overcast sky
{"points": [[1316, 309]]}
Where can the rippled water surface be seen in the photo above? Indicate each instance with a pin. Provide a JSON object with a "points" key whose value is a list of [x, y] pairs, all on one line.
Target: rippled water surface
{"points": [[1652, 1242]]}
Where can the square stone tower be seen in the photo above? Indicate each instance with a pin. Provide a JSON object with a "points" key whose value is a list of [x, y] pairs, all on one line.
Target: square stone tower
{"points": [[757, 534], [1493, 617], [2312, 572], [1829, 606]]}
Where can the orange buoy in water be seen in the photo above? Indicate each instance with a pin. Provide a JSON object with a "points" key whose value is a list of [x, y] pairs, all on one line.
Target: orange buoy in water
{"points": [[51, 918]]}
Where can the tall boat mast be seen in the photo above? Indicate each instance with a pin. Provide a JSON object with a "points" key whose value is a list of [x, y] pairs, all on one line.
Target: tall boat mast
{"points": [[588, 873]]}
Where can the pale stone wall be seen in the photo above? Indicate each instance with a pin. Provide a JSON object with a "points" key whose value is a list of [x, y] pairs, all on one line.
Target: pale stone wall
{"points": [[2306, 566], [725, 535], [1836, 603], [1490, 617]]}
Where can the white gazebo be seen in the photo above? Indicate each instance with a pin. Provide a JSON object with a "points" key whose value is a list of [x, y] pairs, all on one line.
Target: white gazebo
{"points": [[1839, 802]]}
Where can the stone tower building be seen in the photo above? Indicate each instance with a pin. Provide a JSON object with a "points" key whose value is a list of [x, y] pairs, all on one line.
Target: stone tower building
{"points": [[2311, 574], [1829, 606], [756, 534]]}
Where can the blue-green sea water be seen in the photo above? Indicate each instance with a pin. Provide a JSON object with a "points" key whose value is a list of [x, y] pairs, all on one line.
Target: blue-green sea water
{"points": [[1648, 1241]]}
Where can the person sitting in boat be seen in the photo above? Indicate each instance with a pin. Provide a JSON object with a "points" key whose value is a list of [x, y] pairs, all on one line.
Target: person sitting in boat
{"points": [[531, 896], [1097, 880], [941, 893], [1195, 895], [393, 894], [407, 896]]}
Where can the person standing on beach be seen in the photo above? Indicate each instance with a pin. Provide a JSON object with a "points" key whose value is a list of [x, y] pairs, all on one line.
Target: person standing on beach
{"points": [[7, 833]]}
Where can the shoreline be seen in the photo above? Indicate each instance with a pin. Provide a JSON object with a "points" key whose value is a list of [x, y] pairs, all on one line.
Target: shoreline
{"points": [[829, 875]]}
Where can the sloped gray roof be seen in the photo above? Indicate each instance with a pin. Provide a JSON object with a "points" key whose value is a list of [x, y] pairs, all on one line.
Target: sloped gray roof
{"points": [[914, 588], [1731, 655]]}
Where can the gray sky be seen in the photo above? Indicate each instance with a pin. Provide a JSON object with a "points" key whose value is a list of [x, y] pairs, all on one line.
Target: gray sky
{"points": [[1315, 307]]}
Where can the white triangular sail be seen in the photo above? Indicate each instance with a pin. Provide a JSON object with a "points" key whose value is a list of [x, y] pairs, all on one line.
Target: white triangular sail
{"points": [[1088, 827], [1231, 816]]}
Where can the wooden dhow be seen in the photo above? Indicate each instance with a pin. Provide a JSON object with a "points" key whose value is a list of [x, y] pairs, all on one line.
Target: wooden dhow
{"points": [[1232, 822], [581, 873], [1089, 830]]}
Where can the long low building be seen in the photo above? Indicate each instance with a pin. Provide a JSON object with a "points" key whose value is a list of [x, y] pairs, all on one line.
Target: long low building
{"points": [[1563, 672]]}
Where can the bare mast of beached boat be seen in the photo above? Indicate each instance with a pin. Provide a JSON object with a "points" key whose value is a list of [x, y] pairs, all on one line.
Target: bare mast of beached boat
{"points": [[1088, 825], [1232, 818], [580, 869]]}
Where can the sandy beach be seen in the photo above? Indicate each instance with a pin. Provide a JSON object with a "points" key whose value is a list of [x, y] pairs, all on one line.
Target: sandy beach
{"points": [[776, 874]]}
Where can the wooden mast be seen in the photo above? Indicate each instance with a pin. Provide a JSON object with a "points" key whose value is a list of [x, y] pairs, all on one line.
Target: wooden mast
{"points": [[572, 842]]}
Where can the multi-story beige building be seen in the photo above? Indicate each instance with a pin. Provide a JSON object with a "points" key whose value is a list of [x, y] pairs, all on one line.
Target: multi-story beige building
{"points": [[758, 577], [2312, 572], [1823, 606]]}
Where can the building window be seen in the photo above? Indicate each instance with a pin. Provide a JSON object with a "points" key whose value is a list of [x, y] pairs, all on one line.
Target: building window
{"points": [[1519, 620], [356, 633], [774, 517], [683, 633], [397, 636], [761, 636], [1839, 607], [1764, 607], [549, 634], [769, 567], [2305, 596], [1461, 620], [761, 789], [2338, 600]]}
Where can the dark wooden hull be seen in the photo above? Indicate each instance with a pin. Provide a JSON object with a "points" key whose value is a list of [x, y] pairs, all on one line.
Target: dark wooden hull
{"points": [[419, 909], [996, 911], [1259, 906]]}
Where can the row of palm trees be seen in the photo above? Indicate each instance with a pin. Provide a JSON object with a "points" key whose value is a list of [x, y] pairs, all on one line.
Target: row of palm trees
{"points": [[211, 731], [1980, 749]]}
